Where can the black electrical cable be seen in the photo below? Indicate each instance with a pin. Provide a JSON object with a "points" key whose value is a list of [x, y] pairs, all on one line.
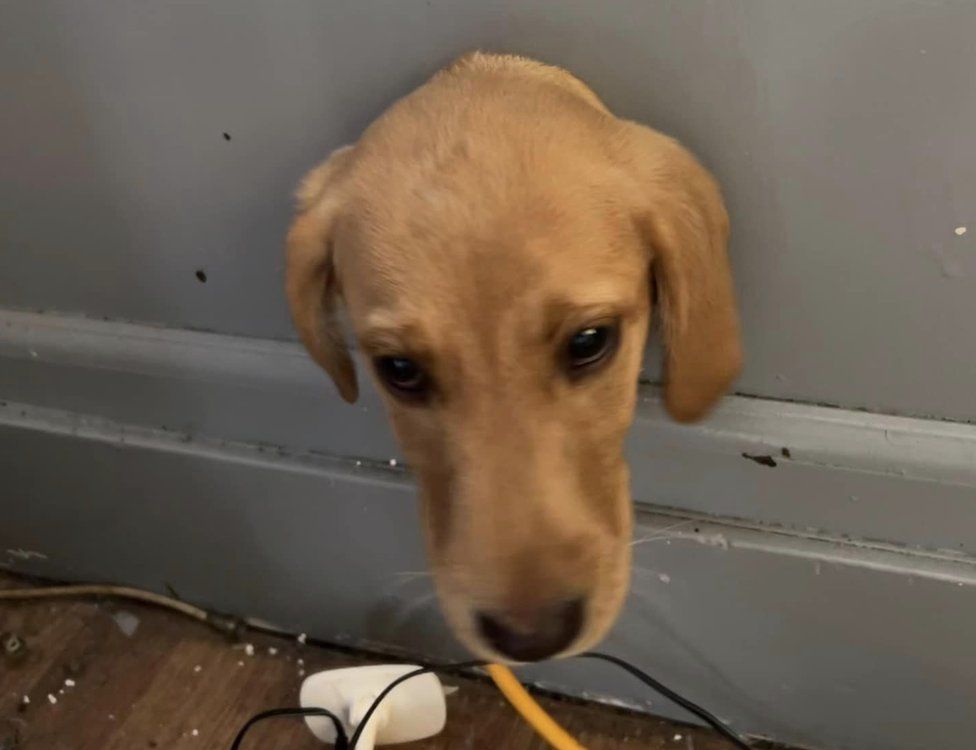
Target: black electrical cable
{"points": [[341, 743], [399, 680], [709, 718], [350, 744]]}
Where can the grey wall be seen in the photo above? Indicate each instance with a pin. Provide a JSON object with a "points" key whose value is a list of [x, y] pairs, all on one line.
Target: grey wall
{"points": [[828, 600], [841, 130]]}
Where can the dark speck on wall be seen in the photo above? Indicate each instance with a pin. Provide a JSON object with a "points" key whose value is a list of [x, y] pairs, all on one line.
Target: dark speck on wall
{"points": [[786, 453], [762, 460], [226, 136], [201, 276]]}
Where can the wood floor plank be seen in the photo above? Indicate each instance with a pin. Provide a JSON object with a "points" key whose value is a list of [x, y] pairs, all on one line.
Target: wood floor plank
{"points": [[177, 685]]}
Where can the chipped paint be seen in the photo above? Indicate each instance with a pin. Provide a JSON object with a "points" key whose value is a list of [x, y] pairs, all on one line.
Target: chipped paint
{"points": [[761, 459]]}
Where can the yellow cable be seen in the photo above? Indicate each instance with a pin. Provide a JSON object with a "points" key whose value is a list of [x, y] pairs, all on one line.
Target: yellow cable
{"points": [[531, 711]]}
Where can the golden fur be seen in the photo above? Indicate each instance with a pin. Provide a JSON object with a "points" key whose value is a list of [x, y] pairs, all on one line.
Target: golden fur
{"points": [[474, 226]]}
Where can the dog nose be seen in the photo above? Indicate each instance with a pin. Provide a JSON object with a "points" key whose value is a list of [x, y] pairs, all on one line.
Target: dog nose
{"points": [[553, 629]]}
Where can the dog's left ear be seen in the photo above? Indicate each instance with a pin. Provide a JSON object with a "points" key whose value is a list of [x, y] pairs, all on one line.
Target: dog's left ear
{"points": [[681, 215]]}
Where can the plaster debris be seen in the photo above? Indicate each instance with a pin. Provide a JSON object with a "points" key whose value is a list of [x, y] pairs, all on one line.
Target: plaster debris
{"points": [[960, 231], [249, 649], [128, 623], [664, 578], [300, 662], [713, 540], [195, 732], [111, 717], [301, 672], [240, 664], [302, 638], [272, 651], [198, 668], [393, 462], [678, 738], [69, 682], [25, 700], [51, 698]]}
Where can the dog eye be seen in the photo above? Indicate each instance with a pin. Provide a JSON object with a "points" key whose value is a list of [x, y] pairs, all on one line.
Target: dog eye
{"points": [[590, 346], [402, 375]]}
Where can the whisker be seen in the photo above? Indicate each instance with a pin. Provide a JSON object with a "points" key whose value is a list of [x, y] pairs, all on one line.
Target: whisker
{"points": [[661, 534], [412, 608], [409, 575]]}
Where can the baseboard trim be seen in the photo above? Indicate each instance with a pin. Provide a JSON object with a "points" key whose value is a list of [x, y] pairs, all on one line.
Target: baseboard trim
{"points": [[805, 468]]}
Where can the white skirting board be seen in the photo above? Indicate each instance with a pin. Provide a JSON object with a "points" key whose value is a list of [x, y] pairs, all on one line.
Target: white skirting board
{"points": [[227, 469]]}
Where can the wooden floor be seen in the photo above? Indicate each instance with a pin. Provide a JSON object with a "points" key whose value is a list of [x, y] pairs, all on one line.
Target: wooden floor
{"points": [[175, 684]]}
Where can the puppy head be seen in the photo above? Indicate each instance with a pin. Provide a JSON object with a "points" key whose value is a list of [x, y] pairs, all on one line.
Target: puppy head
{"points": [[503, 302]]}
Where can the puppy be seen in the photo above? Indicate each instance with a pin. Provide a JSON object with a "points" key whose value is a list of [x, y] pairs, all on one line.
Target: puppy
{"points": [[497, 239]]}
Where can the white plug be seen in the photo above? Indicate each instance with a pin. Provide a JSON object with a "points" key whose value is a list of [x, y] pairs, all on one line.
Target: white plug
{"points": [[414, 710]]}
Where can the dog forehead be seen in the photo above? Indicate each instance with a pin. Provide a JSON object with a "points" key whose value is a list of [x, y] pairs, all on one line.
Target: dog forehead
{"points": [[488, 244], [495, 261]]}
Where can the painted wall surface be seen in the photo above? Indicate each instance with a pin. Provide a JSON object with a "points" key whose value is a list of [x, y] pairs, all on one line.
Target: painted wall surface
{"points": [[143, 141], [806, 570]]}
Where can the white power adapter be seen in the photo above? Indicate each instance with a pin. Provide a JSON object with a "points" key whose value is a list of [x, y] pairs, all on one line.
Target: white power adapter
{"points": [[414, 710]]}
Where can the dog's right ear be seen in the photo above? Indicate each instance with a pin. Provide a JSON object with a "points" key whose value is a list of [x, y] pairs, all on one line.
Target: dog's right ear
{"points": [[311, 280], [680, 211]]}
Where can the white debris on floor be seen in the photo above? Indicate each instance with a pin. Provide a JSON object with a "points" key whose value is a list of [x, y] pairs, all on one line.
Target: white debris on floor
{"points": [[128, 623]]}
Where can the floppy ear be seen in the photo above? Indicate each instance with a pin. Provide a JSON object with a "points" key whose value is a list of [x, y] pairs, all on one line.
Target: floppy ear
{"points": [[311, 281], [682, 217]]}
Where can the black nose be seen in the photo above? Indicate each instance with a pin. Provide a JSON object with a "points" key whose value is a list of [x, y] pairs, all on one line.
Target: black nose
{"points": [[553, 629]]}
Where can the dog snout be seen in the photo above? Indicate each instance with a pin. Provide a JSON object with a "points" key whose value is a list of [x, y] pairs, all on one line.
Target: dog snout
{"points": [[545, 632]]}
